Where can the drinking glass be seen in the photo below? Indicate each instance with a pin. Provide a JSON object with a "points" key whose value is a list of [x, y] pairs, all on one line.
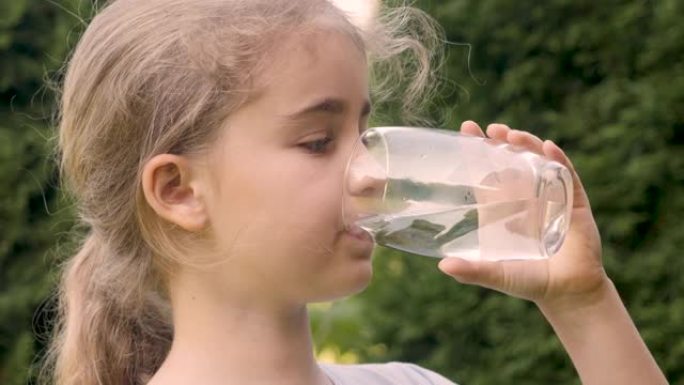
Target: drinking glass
{"points": [[440, 193]]}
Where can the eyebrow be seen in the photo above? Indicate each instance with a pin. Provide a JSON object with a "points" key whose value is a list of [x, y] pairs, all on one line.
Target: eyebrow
{"points": [[329, 106]]}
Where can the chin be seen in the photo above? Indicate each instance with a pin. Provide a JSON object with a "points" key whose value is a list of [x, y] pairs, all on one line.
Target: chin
{"points": [[357, 281], [363, 279], [354, 281]]}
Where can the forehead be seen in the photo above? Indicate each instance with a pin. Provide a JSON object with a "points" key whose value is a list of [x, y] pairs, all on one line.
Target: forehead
{"points": [[313, 63]]}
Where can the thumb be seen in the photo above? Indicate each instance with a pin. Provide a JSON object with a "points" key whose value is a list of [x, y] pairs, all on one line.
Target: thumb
{"points": [[488, 274]]}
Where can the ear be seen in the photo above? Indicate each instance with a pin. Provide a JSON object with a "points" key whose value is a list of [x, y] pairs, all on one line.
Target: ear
{"points": [[174, 192]]}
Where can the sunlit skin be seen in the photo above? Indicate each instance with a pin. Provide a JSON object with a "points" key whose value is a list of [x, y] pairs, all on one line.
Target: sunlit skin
{"points": [[270, 193]]}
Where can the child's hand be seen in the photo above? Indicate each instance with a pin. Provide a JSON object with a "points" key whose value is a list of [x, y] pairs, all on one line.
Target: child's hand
{"points": [[573, 277]]}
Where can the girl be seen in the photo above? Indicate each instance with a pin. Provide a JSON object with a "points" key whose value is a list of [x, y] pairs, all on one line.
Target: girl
{"points": [[205, 142]]}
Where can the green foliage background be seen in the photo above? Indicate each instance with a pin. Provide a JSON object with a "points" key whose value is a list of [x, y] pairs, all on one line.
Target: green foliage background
{"points": [[34, 39], [603, 79]]}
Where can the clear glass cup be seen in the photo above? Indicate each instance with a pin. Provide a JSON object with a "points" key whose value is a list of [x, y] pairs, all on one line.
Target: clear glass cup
{"points": [[441, 193]]}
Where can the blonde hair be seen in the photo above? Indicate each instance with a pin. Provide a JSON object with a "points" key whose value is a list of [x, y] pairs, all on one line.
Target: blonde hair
{"points": [[160, 76]]}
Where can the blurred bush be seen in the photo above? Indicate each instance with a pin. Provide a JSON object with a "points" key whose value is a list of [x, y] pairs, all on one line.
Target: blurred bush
{"points": [[34, 39]]}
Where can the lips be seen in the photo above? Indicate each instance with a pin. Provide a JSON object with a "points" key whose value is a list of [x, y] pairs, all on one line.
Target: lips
{"points": [[358, 233]]}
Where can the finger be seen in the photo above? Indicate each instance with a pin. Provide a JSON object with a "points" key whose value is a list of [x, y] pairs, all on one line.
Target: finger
{"points": [[552, 151], [483, 273], [498, 131], [528, 279], [471, 128], [526, 140]]}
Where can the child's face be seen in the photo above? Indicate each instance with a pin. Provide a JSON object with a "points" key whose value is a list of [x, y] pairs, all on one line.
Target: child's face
{"points": [[280, 164]]}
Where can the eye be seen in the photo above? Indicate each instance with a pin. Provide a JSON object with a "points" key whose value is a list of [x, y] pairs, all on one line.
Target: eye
{"points": [[319, 146]]}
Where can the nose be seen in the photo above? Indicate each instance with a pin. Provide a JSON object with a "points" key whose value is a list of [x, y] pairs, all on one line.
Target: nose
{"points": [[366, 176], [366, 180]]}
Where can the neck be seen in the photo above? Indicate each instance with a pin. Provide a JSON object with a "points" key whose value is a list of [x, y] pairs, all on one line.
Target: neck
{"points": [[221, 340]]}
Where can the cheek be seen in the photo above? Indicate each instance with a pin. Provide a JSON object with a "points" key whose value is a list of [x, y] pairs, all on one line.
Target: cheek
{"points": [[285, 197], [311, 208]]}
